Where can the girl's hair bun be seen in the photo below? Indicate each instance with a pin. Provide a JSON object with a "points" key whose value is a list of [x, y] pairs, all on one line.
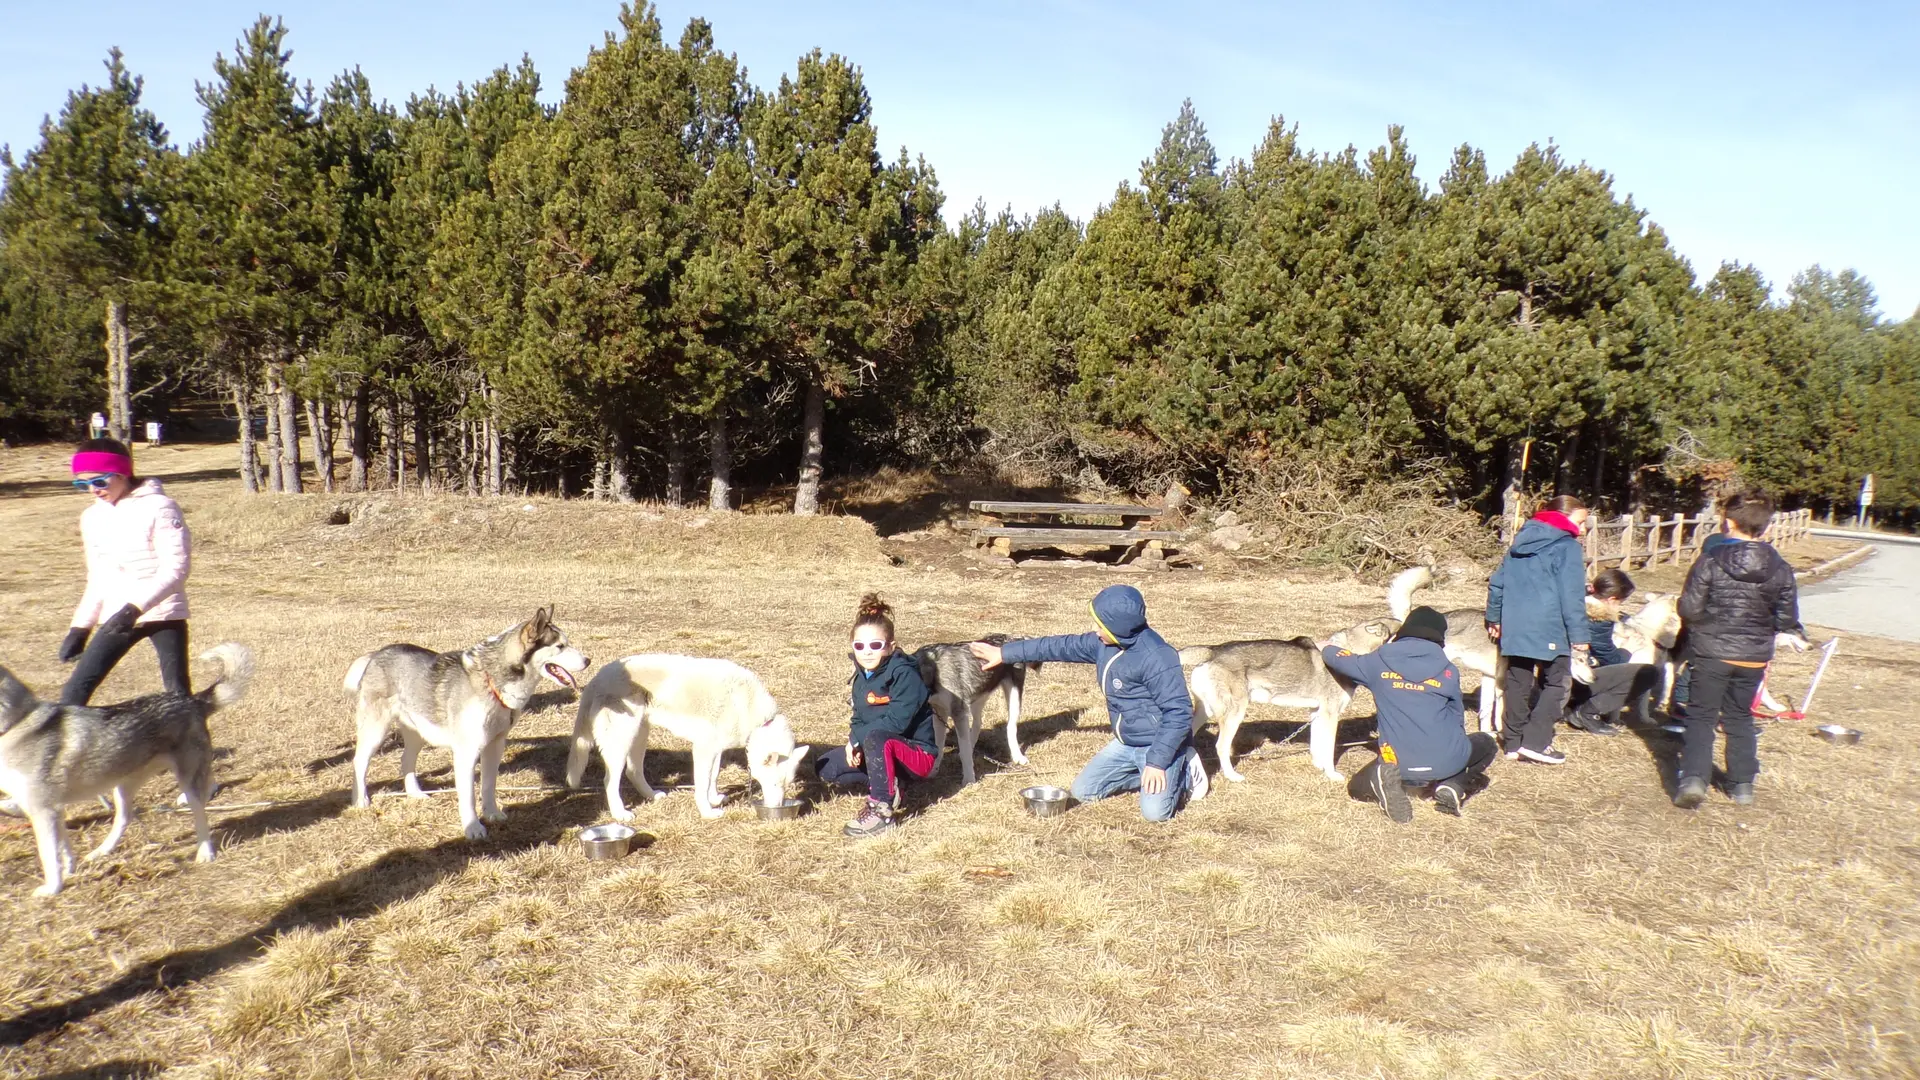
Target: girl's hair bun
{"points": [[873, 612]]}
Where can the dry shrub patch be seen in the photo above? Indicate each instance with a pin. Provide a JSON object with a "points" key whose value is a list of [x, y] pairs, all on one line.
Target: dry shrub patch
{"points": [[1573, 925]]}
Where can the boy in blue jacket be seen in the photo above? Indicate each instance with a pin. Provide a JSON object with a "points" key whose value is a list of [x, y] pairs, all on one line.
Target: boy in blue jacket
{"points": [[1147, 703], [1423, 720]]}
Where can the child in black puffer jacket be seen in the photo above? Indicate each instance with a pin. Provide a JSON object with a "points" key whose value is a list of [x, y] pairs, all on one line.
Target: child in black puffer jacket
{"points": [[1736, 601], [893, 732]]}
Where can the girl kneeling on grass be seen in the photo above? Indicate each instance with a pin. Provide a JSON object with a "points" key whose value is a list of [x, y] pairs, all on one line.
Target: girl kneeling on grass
{"points": [[893, 729]]}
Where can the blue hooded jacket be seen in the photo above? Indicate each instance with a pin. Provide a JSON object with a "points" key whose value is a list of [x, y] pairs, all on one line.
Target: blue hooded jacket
{"points": [[891, 700], [1147, 700], [1417, 694], [1538, 596]]}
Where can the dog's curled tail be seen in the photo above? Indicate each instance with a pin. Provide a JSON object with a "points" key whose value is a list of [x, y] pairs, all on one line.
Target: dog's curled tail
{"points": [[1195, 655], [1405, 584], [236, 671], [357, 672]]}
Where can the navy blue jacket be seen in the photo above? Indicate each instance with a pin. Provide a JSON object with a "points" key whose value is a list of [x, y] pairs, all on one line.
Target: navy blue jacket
{"points": [[1600, 637], [892, 701], [1538, 596], [1147, 701], [1417, 694]]}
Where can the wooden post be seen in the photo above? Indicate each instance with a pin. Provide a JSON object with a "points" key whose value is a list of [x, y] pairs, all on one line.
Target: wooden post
{"points": [[1626, 541]]}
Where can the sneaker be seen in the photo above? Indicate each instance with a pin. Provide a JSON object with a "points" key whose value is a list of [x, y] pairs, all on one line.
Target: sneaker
{"points": [[1741, 794], [1591, 724], [1691, 793], [1447, 798], [1549, 756], [1197, 784], [1391, 793], [874, 819]]}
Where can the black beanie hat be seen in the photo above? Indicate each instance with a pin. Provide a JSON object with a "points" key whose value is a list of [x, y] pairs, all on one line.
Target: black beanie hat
{"points": [[1426, 624]]}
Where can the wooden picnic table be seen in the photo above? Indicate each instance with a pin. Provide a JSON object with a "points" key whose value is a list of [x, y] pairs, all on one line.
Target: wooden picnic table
{"points": [[1011, 525]]}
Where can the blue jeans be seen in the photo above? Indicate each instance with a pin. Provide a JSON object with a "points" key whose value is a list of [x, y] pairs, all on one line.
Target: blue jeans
{"points": [[1116, 768]]}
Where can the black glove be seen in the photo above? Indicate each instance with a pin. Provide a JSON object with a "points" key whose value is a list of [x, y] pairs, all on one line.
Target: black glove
{"points": [[120, 621], [74, 644]]}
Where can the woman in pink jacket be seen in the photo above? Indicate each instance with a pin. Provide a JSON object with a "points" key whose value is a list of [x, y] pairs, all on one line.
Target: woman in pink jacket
{"points": [[138, 553]]}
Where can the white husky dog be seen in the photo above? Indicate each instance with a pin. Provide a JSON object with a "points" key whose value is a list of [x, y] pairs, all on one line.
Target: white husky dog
{"points": [[714, 704]]}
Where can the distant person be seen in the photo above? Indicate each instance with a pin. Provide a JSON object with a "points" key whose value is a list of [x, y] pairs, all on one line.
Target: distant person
{"points": [[893, 733], [1618, 682], [1735, 601], [1536, 610], [1148, 705], [138, 553], [1423, 719]]}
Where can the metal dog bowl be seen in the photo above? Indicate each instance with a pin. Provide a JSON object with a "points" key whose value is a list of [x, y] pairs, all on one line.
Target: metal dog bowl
{"points": [[786, 811], [1045, 801], [1834, 733], [1674, 729], [603, 842]]}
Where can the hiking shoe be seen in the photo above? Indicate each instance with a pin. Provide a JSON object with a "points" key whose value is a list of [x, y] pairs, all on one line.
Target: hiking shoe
{"points": [[1741, 794], [1447, 798], [1390, 792], [1691, 793], [874, 819], [1549, 756], [1197, 784], [1591, 724]]}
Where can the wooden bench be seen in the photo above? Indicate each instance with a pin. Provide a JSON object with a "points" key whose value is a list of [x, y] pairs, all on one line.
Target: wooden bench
{"points": [[1040, 524]]}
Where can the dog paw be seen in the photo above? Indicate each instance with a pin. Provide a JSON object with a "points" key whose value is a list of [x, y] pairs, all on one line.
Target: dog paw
{"points": [[48, 889], [494, 816], [712, 812], [1232, 774], [620, 813], [100, 852], [205, 854], [1333, 775], [415, 791], [476, 831], [1020, 759]]}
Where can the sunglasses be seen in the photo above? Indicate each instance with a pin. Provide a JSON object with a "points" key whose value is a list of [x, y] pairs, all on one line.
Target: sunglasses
{"points": [[863, 646], [95, 483]]}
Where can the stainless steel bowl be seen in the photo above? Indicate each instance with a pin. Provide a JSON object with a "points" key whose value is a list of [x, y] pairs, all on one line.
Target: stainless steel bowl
{"points": [[602, 842], [1674, 729], [1834, 733], [786, 811], [1045, 801]]}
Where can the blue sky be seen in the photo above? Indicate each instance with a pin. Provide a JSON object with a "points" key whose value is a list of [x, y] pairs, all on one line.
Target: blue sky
{"points": [[1781, 135]]}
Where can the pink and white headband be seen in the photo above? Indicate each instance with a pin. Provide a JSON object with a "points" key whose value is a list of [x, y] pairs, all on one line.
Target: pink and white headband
{"points": [[102, 461]]}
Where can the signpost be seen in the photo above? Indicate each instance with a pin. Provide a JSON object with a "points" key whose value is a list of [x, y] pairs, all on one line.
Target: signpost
{"points": [[1866, 501]]}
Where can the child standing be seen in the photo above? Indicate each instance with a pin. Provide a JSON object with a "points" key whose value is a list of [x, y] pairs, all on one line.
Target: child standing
{"points": [[1147, 703], [1536, 610], [1423, 719], [893, 731], [1736, 599]]}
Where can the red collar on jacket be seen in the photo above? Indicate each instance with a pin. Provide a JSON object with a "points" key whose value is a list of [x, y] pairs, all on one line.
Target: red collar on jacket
{"points": [[1558, 520]]}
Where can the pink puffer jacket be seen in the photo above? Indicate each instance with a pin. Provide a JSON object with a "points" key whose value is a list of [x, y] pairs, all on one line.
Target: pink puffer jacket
{"points": [[138, 552]]}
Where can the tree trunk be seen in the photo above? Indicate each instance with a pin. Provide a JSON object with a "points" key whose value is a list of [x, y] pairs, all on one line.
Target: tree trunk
{"points": [[396, 466], [806, 496], [119, 395], [271, 408], [289, 431], [619, 478], [496, 482], [320, 423], [720, 458], [1636, 490], [422, 444], [357, 434], [1599, 463], [676, 471], [1569, 454], [249, 462], [509, 465]]}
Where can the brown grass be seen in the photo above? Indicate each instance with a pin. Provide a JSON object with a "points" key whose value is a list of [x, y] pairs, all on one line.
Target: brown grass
{"points": [[1573, 925]]}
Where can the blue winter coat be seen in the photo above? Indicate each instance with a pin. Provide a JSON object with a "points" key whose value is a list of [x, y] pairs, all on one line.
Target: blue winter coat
{"points": [[1417, 694], [891, 700], [1538, 596], [1147, 701], [1602, 650]]}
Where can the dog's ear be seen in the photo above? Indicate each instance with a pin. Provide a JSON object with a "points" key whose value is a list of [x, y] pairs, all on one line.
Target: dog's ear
{"points": [[532, 629], [16, 701]]}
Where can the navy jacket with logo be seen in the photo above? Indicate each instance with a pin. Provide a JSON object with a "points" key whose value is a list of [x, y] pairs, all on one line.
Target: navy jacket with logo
{"points": [[892, 701], [1417, 693], [1147, 700]]}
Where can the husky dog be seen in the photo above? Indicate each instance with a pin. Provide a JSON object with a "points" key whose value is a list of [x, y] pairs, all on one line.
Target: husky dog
{"points": [[1468, 643], [1289, 672], [1648, 637], [959, 690], [464, 701], [52, 755], [714, 704]]}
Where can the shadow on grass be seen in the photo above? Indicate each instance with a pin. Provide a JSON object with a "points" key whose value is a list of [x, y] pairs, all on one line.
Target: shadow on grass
{"points": [[394, 877], [19, 489], [1663, 749], [108, 1070]]}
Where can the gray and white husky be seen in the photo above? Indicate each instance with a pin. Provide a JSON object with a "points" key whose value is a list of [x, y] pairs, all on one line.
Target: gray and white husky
{"points": [[958, 690], [465, 701], [1289, 672], [716, 705], [52, 755], [1468, 643]]}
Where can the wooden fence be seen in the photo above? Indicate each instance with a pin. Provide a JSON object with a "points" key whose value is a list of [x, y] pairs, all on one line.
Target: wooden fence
{"points": [[1627, 541]]}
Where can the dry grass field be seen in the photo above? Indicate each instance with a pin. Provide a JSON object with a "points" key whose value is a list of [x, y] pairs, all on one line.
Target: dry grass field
{"points": [[1572, 925]]}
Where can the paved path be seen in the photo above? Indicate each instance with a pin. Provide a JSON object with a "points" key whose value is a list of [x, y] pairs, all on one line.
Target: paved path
{"points": [[1879, 596]]}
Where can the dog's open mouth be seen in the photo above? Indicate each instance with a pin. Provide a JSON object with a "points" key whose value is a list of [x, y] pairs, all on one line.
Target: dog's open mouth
{"points": [[561, 675]]}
